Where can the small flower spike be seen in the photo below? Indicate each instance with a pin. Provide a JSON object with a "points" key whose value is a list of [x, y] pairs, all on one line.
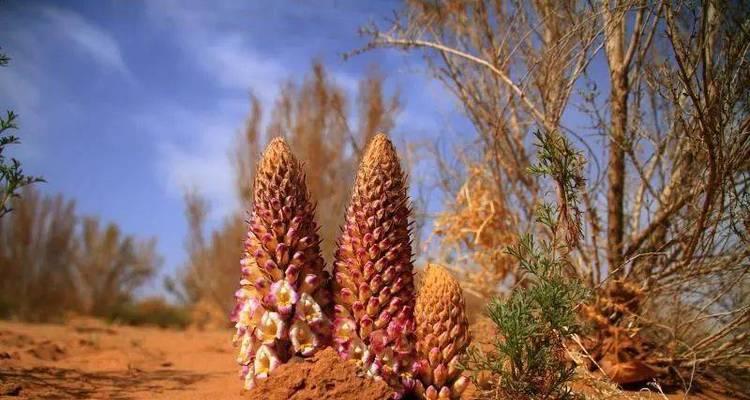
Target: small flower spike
{"points": [[442, 335]]}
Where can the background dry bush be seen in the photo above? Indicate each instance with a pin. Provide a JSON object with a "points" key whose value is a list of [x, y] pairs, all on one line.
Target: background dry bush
{"points": [[475, 230], [53, 262], [659, 95], [318, 121]]}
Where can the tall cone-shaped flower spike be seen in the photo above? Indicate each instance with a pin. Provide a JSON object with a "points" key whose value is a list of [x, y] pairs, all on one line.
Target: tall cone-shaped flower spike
{"points": [[283, 306], [374, 285], [442, 335]]}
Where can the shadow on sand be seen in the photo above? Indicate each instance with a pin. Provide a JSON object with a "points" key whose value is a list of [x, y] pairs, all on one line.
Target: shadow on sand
{"points": [[61, 383]]}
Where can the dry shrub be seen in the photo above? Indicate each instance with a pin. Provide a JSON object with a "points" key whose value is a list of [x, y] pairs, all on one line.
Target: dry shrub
{"points": [[614, 344], [665, 199], [53, 262], [37, 253], [154, 311], [111, 266], [213, 262]]}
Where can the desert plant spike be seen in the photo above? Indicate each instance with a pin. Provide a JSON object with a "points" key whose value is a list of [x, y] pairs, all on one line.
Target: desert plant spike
{"points": [[282, 305], [442, 335], [374, 285]]}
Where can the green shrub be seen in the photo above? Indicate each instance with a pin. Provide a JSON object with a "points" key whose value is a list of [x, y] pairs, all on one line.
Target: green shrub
{"points": [[528, 359], [12, 178]]}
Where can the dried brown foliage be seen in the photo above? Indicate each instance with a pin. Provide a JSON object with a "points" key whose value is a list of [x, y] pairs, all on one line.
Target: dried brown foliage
{"points": [[477, 227], [213, 262], [668, 216], [53, 262], [111, 266]]}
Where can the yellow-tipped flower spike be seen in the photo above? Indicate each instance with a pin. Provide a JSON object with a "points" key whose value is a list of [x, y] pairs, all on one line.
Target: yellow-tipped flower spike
{"points": [[374, 284], [283, 304], [442, 335]]}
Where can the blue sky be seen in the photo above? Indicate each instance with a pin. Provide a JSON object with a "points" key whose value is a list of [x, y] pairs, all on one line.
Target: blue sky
{"points": [[124, 104]]}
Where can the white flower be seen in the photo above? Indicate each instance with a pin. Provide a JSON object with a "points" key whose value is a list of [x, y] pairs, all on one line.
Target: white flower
{"points": [[271, 328], [358, 350], [265, 362], [344, 330], [283, 296], [250, 314], [247, 348], [308, 309], [303, 339]]}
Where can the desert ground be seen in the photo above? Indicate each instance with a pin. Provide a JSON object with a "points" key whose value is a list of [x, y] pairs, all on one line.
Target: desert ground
{"points": [[88, 359]]}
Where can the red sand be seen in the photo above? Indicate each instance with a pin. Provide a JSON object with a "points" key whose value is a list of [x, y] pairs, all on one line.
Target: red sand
{"points": [[86, 359], [322, 378]]}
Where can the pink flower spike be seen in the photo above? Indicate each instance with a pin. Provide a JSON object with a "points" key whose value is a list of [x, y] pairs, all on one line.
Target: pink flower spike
{"points": [[283, 306]]}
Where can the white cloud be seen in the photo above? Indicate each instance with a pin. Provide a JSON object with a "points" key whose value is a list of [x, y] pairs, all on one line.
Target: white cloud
{"points": [[225, 56], [208, 172], [192, 150], [226, 51], [21, 88], [193, 147], [21, 91], [99, 44], [195, 153]]}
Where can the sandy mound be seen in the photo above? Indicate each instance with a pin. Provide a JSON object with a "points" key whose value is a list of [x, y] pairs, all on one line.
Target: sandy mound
{"points": [[325, 376]]}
